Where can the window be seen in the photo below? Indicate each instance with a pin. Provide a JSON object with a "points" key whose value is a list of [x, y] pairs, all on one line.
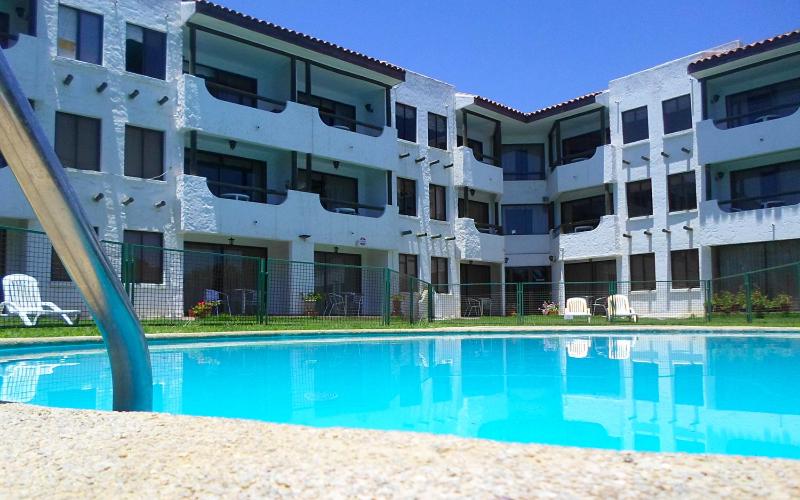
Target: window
{"points": [[438, 202], [761, 104], [439, 275], [78, 141], [640, 198], [230, 175], [634, 125], [523, 162], [475, 210], [765, 187], [144, 152], [682, 194], [407, 196], [408, 267], [437, 131], [525, 219], [677, 114], [583, 214], [148, 258], [405, 117], [146, 52], [528, 274], [643, 271], [332, 113], [230, 87], [685, 269], [80, 35], [343, 275]]}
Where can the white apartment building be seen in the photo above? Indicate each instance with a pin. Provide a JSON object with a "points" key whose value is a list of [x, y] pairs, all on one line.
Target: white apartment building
{"points": [[193, 126]]}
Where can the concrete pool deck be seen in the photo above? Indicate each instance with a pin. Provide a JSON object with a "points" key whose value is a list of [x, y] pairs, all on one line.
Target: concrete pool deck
{"points": [[74, 453]]}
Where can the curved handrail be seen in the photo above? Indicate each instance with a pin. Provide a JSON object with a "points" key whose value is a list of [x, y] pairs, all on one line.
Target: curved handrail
{"points": [[44, 183]]}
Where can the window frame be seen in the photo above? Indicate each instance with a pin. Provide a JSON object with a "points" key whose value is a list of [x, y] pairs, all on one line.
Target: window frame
{"points": [[138, 253], [684, 199], [404, 198], [529, 173], [440, 268], [647, 207], [79, 123], [159, 72], [628, 135], [532, 206], [435, 121], [438, 199], [690, 260], [404, 262], [81, 16], [145, 146], [644, 279], [408, 132], [670, 128]]}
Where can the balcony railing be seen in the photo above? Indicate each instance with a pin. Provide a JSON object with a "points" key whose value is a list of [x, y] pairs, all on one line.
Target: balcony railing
{"points": [[487, 159], [580, 226], [351, 207], [575, 157], [762, 115], [244, 98], [487, 228], [351, 124], [238, 192], [759, 202]]}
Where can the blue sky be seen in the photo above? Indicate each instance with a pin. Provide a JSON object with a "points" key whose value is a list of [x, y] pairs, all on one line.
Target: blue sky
{"points": [[528, 54]]}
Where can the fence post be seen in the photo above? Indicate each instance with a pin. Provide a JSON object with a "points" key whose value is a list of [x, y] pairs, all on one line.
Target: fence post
{"points": [[748, 298], [520, 311], [262, 290], [411, 300], [430, 303], [709, 301], [387, 296]]}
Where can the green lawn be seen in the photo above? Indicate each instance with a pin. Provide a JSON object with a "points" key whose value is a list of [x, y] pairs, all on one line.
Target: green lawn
{"points": [[318, 323]]}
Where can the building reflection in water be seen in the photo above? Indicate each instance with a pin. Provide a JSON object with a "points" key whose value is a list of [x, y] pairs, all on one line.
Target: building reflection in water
{"points": [[670, 393]]}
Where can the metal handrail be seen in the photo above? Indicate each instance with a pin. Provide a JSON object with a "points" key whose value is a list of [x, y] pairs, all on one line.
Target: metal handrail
{"points": [[756, 114], [348, 204], [352, 121], [247, 188], [44, 182], [564, 228], [486, 228], [214, 85], [762, 197]]}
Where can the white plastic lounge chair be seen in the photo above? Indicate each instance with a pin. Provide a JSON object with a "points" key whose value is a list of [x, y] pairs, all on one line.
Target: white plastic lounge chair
{"points": [[578, 348], [23, 299], [619, 307], [577, 308]]}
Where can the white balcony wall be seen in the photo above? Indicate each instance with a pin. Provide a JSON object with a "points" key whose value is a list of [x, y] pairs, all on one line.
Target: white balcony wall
{"points": [[475, 245], [470, 172], [595, 171], [718, 227], [716, 145], [602, 241]]}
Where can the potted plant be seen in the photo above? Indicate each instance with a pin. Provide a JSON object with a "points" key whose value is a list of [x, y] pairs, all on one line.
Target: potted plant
{"points": [[397, 304], [310, 300], [549, 308], [203, 308]]}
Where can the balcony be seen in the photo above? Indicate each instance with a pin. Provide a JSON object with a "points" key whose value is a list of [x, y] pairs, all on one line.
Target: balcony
{"points": [[587, 239], [288, 215], [283, 125], [723, 225], [483, 242], [771, 131], [583, 172], [469, 172]]}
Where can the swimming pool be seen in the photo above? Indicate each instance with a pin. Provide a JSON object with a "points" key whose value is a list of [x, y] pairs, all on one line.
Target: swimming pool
{"points": [[689, 393]]}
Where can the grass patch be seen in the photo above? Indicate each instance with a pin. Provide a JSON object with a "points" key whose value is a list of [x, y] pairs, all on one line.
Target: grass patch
{"points": [[781, 320]]}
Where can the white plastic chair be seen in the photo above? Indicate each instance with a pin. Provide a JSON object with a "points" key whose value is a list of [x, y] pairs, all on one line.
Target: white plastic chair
{"points": [[473, 307], [24, 300], [619, 307], [577, 308]]}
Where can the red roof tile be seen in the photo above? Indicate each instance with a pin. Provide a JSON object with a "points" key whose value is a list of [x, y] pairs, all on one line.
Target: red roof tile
{"points": [[745, 51], [527, 117]]}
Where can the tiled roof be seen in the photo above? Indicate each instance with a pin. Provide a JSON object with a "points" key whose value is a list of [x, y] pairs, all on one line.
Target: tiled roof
{"points": [[745, 51], [527, 117], [300, 39]]}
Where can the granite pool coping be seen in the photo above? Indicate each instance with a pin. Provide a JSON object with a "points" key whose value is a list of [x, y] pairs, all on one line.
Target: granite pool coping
{"points": [[62, 453], [600, 330]]}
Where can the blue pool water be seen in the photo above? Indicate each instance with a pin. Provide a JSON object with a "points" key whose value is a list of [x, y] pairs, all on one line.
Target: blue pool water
{"points": [[689, 393]]}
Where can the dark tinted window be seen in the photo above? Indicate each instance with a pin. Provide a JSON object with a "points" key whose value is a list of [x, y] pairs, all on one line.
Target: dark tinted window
{"points": [[144, 152], [148, 257], [643, 271], [146, 51], [525, 219], [80, 35], [438, 202], [439, 274], [437, 131], [523, 162], [527, 274], [685, 268], [677, 114], [640, 198], [407, 196], [332, 113], [766, 187], [634, 125], [406, 120], [682, 194], [78, 141], [408, 267]]}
